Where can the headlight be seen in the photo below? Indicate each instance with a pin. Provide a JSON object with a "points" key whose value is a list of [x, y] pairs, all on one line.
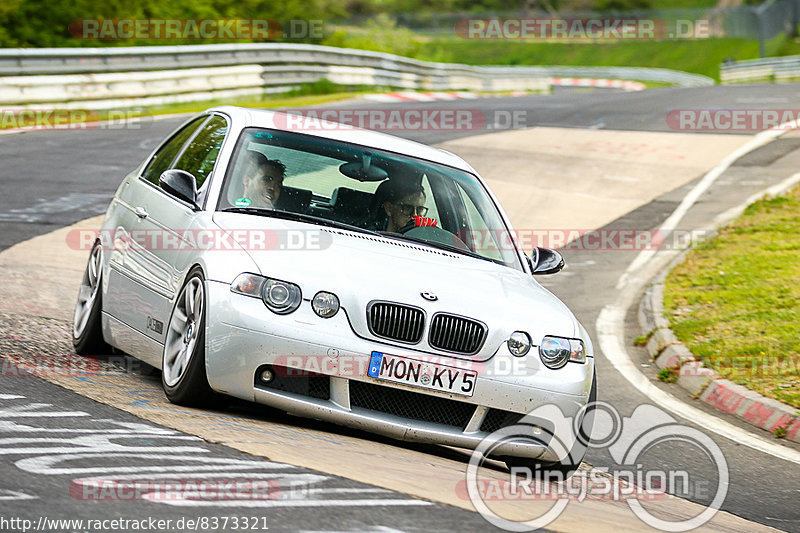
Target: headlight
{"points": [[325, 304], [519, 343], [555, 352], [281, 297]]}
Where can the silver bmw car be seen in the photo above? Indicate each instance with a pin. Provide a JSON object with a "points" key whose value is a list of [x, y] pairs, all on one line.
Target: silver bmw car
{"points": [[338, 274]]}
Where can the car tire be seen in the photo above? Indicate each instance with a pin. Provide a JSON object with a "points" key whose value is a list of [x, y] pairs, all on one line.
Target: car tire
{"points": [[183, 366], [87, 329], [565, 468]]}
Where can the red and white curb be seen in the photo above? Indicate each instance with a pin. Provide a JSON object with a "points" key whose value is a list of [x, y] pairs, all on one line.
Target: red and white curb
{"points": [[625, 85], [704, 383], [413, 96]]}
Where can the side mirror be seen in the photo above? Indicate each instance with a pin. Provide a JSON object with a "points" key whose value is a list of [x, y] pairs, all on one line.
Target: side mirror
{"points": [[180, 184], [546, 261]]}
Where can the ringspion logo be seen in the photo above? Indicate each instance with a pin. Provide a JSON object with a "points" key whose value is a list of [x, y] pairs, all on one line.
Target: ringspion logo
{"points": [[627, 440]]}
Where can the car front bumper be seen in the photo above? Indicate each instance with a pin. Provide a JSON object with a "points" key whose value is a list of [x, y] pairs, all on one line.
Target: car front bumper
{"points": [[243, 337]]}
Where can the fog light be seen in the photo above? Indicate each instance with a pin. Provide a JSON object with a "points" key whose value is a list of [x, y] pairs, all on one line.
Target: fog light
{"points": [[325, 304], [519, 343], [266, 376]]}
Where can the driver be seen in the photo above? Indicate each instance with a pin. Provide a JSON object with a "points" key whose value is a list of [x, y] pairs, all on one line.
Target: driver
{"points": [[262, 180], [404, 204]]}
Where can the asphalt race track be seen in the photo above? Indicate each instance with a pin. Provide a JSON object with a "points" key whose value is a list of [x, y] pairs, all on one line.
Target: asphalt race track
{"points": [[51, 438]]}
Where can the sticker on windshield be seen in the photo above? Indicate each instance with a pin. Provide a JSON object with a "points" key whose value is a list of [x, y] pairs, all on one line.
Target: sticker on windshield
{"points": [[242, 202]]}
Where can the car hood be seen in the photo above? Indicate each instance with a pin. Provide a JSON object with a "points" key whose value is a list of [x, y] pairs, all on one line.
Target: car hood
{"points": [[360, 268]]}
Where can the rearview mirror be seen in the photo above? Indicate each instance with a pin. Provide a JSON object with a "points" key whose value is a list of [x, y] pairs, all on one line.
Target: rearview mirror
{"points": [[546, 261], [363, 170], [180, 184]]}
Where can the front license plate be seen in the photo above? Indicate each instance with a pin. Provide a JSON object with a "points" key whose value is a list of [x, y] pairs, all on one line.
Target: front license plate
{"points": [[422, 374]]}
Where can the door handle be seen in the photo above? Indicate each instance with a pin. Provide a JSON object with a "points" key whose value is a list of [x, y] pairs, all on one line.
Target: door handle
{"points": [[141, 212]]}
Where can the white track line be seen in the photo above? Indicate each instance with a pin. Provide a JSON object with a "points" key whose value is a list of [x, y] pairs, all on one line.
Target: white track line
{"points": [[708, 180], [611, 321]]}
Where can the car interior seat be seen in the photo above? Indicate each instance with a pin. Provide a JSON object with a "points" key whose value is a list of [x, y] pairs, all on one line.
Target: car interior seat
{"points": [[350, 206]]}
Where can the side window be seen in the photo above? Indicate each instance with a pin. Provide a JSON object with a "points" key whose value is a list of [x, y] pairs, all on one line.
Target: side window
{"points": [[199, 156], [166, 154], [484, 239]]}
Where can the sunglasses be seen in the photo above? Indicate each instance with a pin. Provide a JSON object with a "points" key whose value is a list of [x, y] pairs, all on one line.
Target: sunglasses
{"points": [[410, 210]]}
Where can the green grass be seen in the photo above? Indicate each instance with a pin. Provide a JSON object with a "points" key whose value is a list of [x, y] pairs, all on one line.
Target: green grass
{"points": [[700, 56], [697, 56], [642, 340], [786, 47], [735, 300], [669, 375], [682, 4]]}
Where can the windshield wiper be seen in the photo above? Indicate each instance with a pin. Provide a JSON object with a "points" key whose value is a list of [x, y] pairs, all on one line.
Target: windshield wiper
{"points": [[300, 217], [440, 245]]}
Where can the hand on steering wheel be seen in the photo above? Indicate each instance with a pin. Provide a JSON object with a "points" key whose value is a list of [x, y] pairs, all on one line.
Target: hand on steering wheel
{"points": [[418, 222]]}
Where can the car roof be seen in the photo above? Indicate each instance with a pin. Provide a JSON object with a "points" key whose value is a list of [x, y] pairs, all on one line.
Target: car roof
{"points": [[249, 117]]}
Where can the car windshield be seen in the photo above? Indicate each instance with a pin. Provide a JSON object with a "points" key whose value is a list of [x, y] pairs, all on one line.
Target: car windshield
{"points": [[367, 189]]}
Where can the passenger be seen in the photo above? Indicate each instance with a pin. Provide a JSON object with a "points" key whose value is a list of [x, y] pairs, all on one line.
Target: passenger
{"points": [[262, 180]]}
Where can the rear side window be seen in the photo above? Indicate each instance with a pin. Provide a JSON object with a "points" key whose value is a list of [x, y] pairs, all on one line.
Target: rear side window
{"points": [[200, 155], [162, 160]]}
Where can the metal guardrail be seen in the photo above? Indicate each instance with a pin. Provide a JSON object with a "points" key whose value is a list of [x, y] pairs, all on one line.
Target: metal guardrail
{"points": [[94, 60], [770, 69], [126, 76], [661, 75]]}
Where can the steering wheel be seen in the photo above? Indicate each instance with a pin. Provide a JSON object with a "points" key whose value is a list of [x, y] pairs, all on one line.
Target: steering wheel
{"points": [[434, 234], [407, 227]]}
